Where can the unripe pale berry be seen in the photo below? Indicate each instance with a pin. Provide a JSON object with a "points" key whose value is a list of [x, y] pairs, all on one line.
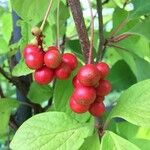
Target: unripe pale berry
{"points": [[103, 68], [35, 60], [78, 108], [97, 109], [43, 75], [70, 60], [62, 72], [52, 59], [30, 49], [88, 75], [76, 83], [104, 88], [84, 95], [36, 31], [99, 99]]}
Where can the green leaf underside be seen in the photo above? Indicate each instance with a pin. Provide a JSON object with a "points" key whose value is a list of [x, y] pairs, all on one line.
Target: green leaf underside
{"points": [[6, 106], [111, 141], [134, 105], [51, 130], [39, 93]]}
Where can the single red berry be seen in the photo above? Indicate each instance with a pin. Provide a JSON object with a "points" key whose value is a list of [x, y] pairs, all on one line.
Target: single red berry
{"points": [[76, 83], [104, 88], [30, 49], [52, 59], [88, 75], [70, 60], [99, 99], [63, 72], [84, 95], [43, 75], [78, 108], [97, 109], [103, 68], [35, 60], [52, 48]]}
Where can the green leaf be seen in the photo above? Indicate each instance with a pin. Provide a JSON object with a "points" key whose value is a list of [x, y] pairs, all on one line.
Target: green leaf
{"points": [[6, 106], [142, 28], [143, 68], [51, 130], [139, 136], [140, 8], [134, 105], [39, 93], [141, 48], [21, 69], [121, 76], [32, 11], [91, 143], [62, 93], [7, 26], [111, 141], [3, 46], [136, 56]]}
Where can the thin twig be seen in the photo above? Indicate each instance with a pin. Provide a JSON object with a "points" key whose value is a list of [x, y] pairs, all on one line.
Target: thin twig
{"points": [[80, 26], [57, 25], [119, 37], [119, 47], [2, 71], [46, 14], [118, 28], [90, 59], [101, 33], [105, 2], [1, 93], [125, 4]]}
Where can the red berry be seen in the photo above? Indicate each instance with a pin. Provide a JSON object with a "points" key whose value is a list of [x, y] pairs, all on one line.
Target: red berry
{"points": [[88, 75], [104, 88], [43, 75], [70, 60], [84, 95], [30, 49], [52, 59], [53, 48], [35, 60], [76, 83], [97, 109], [100, 99], [63, 72], [78, 108], [103, 68]]}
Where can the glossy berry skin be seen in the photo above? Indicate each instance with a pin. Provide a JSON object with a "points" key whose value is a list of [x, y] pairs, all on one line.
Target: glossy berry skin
{"points": [[84, 95], [104, 88], [76, 83], [78, 108], [88, 75], [43, 75], [99, 99], [52, 59], [63, 72], [30, 49], [53, 48], [35, 60], [97, 109], [70, 60], [103, 68]]}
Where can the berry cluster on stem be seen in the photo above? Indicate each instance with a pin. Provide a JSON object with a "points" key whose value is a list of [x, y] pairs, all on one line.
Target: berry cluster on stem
{"points": [[48, 64], [90, 89]]}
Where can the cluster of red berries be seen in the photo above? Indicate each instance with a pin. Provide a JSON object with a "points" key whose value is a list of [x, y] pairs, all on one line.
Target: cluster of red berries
{"points": [[90, 89], [49, 64]]}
